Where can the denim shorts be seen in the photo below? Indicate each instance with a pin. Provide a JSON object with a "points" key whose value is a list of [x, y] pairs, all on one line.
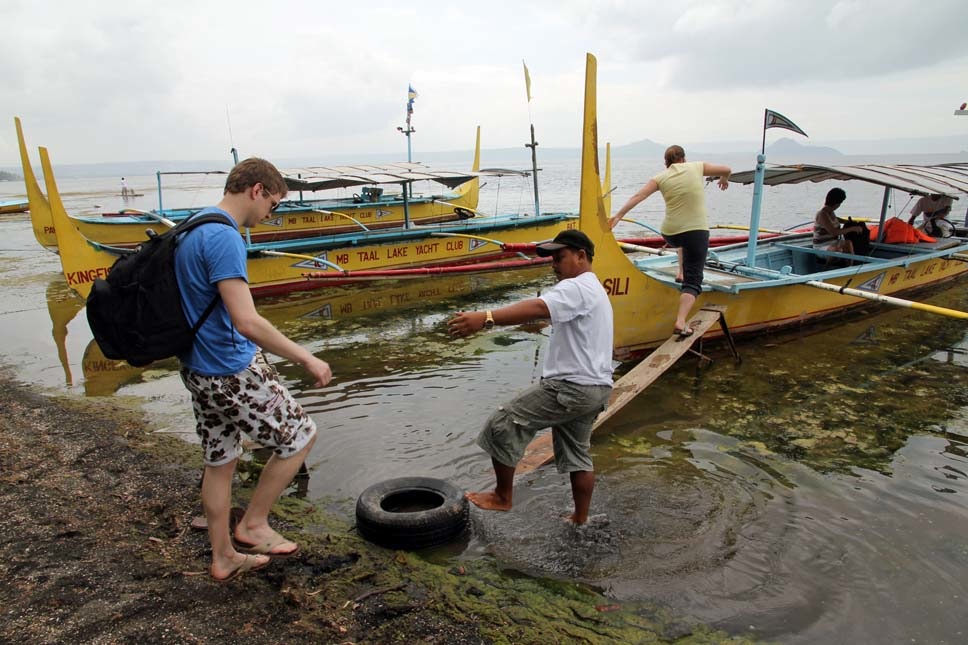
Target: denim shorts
{"points": [[252, 401], [567, 408]]}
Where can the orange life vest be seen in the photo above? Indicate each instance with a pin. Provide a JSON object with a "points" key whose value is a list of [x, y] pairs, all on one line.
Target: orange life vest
{"points": [[897, 231]]}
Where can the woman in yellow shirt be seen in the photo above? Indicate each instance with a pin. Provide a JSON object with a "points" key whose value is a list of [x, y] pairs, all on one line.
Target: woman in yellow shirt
{"points": [[685, 226]]}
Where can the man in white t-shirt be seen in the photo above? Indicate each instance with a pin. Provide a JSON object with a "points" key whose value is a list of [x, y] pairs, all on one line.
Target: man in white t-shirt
{"points": [[576, 380]]}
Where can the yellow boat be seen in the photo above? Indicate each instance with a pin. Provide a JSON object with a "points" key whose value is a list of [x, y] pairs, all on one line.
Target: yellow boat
{"points": [[11, 206], [281, 267], [298, 218], [769, 284]]}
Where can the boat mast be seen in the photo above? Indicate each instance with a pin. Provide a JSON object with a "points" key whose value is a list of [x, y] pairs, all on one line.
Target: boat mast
{"points": [[757, 198], [534, 144], [411, 95]]}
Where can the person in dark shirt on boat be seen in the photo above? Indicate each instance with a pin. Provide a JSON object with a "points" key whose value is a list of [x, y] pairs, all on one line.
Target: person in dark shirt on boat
{"points": [[576, 380], [828, 231], [685, 226], [233, 388]]}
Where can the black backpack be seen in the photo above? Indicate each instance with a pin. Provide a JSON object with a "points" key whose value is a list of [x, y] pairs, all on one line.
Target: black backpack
{"points": [[136, 312]]}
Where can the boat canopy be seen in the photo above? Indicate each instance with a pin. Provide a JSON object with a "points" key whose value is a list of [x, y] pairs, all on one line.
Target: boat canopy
{"points": [[326, 177], [949, 179]]}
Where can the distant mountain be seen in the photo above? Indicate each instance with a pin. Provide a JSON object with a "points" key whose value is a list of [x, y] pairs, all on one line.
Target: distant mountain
{"points": [[786, 147], [643, 148], [9, 176]]}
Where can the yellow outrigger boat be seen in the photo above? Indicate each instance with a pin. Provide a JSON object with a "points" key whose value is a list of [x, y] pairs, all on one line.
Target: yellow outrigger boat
{"points": [[298, 218], [282, 267], [765, 285]]}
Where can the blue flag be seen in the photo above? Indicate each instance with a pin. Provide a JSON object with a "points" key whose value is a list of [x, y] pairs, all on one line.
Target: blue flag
{"points": [[411, 95]]}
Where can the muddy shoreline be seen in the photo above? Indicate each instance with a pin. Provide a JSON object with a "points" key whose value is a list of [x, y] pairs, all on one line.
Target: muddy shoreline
{"points": [[96, 547]]}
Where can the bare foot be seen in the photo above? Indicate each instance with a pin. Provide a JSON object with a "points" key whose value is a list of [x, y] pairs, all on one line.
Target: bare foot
{"points": [[489, 501], [573, 519]]}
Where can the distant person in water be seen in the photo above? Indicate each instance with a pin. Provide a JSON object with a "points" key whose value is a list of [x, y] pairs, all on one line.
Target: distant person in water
{"points": [[576, 380], [685, 226], [125, 191], [828, 231]]}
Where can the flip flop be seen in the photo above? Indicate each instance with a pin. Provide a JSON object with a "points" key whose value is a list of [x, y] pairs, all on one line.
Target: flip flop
{"points": [[251, 563], [265, 548], [685, 333]]}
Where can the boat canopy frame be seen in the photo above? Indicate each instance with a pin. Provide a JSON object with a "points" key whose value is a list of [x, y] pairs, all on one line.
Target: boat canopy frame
{"points": [[947, 179]]}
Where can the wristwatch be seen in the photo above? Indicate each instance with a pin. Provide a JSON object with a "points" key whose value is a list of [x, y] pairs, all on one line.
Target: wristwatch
{"points": [[488, 319]]}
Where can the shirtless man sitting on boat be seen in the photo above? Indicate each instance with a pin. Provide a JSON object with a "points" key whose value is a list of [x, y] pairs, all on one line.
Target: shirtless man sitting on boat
{"points": [[828, 231]]}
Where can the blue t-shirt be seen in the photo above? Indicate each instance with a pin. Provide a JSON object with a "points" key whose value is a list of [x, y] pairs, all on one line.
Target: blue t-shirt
{"points": [[204, 256]]}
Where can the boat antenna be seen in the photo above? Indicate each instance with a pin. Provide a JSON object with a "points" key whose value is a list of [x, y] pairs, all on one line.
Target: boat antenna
{"points": [[235, 153], [534, 144]]}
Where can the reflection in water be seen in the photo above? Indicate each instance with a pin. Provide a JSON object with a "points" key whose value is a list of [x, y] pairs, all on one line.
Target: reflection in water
{"points": [[62, 305], [105, 376], [102, 376]]}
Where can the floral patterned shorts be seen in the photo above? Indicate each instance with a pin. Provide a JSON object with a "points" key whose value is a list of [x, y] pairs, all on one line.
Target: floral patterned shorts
{"points": [[252, 401]]}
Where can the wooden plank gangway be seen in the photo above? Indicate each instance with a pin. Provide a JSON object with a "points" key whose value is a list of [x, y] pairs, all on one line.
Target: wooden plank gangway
{"points": [[540, 451]]}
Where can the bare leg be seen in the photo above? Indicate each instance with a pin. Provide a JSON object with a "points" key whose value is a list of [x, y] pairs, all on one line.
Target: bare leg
{"points": [[500, 498], [216, 502], [278, 473], [686, 301], [582, 485]]}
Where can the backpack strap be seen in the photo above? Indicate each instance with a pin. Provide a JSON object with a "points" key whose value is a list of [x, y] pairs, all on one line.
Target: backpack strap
{"points": [[184, 227]]}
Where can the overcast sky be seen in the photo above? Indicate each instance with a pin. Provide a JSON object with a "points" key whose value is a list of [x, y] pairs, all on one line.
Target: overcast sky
{"points": [[150, 80]]}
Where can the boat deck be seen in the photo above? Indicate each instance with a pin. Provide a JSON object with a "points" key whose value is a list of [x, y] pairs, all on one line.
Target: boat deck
{"points": [[713, 279]]}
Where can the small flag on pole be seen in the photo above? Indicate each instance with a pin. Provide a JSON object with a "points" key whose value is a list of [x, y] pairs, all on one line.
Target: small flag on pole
{"points": [[411, 95], [777, 120], [527, 80]]}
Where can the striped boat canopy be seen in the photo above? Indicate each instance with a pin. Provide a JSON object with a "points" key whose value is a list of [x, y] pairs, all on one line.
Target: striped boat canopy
{"points": [[326, 177], [950, 179]]}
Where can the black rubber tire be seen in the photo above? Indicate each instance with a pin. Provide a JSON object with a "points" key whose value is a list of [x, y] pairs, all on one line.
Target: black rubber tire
{"points": [[382, 518]]}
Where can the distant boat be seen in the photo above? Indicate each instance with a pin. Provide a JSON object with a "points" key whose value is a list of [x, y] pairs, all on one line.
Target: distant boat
{"points": [[14, 206]]}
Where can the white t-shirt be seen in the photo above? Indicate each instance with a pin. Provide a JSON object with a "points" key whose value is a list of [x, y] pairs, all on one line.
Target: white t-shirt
{"points": [[580, 350]]}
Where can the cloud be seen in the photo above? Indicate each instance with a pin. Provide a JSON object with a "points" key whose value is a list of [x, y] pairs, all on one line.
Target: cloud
{"points": [[755, 43]]}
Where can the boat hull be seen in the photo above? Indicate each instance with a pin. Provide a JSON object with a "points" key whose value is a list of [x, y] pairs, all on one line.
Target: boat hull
{"points": [[9, 208], [645, 308]]}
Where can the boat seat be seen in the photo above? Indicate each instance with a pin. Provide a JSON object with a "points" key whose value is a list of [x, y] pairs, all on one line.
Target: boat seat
{"points": [[921, 247]]}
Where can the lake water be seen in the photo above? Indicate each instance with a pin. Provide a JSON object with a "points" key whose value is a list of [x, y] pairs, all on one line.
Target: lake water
{"points": [[815, 492]]}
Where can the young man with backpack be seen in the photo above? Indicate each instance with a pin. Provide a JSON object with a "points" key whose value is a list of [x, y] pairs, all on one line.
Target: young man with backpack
{"points": [[233, 388]]}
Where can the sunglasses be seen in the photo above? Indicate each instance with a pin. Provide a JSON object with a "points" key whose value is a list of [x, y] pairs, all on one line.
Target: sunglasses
{"points": [[275, 203]]}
